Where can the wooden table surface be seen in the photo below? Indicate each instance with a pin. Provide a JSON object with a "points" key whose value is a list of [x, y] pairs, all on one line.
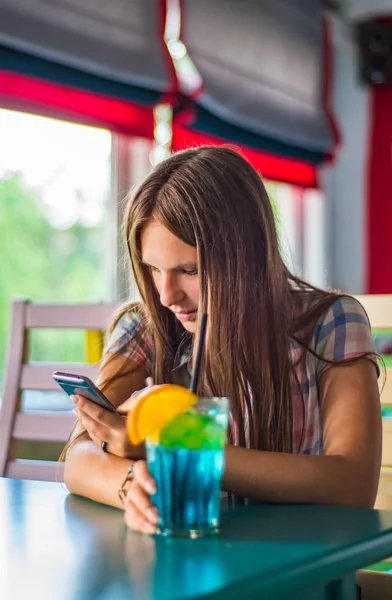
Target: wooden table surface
{"points": [[56, 546]]}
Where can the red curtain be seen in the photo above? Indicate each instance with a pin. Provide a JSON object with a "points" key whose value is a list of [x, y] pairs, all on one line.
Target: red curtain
{"points": [[272, 167], [20, 92], [379, 192]]}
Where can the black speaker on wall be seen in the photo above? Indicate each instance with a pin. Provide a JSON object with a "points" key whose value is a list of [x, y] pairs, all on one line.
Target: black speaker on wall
{"points": [[375, 52]]}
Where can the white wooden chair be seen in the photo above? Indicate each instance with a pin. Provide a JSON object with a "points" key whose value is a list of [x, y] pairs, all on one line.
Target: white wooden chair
{"points": [[20, 375], [379, 310], [377, 585]]}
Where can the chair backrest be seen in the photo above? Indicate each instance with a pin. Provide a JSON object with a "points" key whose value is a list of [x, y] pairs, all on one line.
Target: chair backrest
{"points": [[20, 375], [379, 310]]}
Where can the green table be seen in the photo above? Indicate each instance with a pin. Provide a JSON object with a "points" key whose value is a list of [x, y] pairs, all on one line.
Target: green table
{"points": [[55, 546]]}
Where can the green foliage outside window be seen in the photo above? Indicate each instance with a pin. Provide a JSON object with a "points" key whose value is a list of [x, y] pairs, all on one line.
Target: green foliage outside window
{"points": [[42, 263]]}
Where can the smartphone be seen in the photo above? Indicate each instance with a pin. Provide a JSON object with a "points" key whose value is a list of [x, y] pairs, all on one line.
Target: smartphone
{"points": [[79, 385]]}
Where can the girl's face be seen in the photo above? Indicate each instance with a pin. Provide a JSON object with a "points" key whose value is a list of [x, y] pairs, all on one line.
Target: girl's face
{"points": [[173, 266]]}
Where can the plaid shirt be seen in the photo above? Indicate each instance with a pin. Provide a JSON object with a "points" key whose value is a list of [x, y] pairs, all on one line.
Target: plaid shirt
{"points": [[341, 333]]}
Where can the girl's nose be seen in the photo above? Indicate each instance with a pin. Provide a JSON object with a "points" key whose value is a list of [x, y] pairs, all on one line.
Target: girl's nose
{"points": [[170, 292]]}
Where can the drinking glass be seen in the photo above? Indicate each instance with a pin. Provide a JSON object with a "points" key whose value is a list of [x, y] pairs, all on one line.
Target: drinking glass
{"points": [[187, 461]]}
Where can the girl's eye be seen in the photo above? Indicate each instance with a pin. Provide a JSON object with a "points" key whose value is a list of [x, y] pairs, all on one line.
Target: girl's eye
{"points": [[153, 269], [191, 271]]}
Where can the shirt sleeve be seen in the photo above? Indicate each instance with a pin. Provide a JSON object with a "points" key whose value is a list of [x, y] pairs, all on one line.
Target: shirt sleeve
{"points": [[342, 333], [128, 340]]}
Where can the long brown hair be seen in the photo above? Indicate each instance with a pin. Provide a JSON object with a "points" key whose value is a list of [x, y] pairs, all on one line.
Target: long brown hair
{"points": [[212, 199]]}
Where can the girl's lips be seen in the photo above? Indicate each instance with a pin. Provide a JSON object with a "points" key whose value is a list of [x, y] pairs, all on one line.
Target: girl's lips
{"points": [[189, 315]]}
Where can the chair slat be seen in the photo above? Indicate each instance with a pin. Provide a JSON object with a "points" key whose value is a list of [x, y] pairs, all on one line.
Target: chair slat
{"points": [[378, 308], [385, 484], [384, 502], [36, 376], [11, 393], [43, 426], [44, 470], [83, 316], [387, 443], [385, 386]]}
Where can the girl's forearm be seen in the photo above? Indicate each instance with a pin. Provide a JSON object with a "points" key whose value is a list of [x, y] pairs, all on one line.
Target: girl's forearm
{"points": [[94, 474], [297, 478]]}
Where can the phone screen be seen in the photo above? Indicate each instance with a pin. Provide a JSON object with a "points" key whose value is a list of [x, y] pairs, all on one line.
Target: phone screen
{"points": [[82, 386]]}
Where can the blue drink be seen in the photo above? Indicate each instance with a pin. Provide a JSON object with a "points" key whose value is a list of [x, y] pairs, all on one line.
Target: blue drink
{"points": [[187, 464]]}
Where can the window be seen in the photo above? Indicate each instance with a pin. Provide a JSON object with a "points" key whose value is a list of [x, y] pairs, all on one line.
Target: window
{"points": [[300, 223], [55, 187]]}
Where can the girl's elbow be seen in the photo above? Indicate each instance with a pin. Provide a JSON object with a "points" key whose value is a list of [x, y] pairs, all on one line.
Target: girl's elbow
{"points": [[71, 470], [68, 475], [358, 485], [367, 501], [358, 497]]}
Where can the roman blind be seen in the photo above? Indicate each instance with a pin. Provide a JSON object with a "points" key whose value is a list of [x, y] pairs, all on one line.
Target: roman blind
{"points": [[263, 72]]}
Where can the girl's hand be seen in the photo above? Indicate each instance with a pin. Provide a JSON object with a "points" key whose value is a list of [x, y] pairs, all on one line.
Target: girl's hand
{"points": [[128, 405], [105, 426], [140, 513]]}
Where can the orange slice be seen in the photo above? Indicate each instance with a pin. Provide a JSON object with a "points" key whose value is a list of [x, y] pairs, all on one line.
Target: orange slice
{"points": [[155, 408]]}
